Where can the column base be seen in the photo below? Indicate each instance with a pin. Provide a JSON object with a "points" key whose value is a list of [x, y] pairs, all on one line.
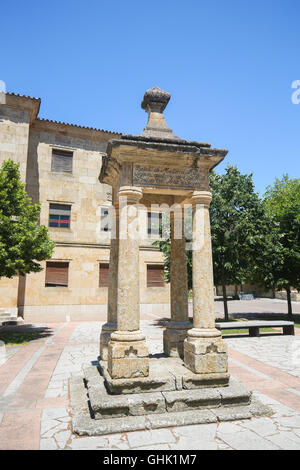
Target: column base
{"points": [[106, 331], [173, 338], [205, 352], [128, 355]]}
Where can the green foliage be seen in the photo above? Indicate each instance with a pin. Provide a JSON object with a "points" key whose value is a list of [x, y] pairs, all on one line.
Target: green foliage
{"points": [[238, 225], [278, 265], [11, 339], [253, 239], [23, 242]]}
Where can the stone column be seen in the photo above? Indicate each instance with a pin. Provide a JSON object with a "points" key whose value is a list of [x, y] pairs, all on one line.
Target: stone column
{"points": [[204, 350], [176, 330], [127, 350], [111, 324]]}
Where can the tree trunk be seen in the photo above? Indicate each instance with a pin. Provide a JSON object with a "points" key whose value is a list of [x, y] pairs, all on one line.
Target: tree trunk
{"points": [[290, 311], [225, 302]]}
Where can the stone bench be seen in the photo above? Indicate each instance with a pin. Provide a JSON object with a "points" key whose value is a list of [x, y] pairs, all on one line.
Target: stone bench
{"points": [[254, 326]]}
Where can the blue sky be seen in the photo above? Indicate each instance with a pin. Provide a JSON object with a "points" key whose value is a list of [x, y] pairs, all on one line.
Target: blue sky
{"points": [[229, 66]]}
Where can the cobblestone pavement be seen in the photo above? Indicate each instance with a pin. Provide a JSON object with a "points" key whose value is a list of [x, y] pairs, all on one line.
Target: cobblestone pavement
{"points": [[34, 401]]}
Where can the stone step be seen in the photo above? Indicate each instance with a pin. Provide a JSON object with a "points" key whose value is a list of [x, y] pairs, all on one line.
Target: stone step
{"points": [[105, 405]]}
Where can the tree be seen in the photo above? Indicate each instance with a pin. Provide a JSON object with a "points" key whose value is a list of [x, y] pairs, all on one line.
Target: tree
{"points": [[278, 264], [23, 242], [238, 225]]}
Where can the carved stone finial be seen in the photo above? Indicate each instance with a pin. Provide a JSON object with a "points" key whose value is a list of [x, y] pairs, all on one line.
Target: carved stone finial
{"points": [[154, 102]]}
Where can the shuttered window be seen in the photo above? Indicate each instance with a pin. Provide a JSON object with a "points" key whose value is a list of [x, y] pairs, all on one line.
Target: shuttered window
{"points": [[155, 276], [103, 274], [62, 161], [56, 274], [59, 215]]}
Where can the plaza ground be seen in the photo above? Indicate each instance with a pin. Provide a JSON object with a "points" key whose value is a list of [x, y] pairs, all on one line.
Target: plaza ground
{"points": [[34, 394]]}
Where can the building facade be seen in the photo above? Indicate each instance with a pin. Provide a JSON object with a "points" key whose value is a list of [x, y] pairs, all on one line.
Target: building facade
{"points": [[60, 164]]}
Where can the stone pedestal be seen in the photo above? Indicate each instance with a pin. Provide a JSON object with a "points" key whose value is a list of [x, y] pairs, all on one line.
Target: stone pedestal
{"points": [[204, 350], [176, 330], [127, 350]]}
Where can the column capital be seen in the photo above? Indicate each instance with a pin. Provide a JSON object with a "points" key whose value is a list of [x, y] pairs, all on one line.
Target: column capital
{"points": [[133, 193], [201, 197]]}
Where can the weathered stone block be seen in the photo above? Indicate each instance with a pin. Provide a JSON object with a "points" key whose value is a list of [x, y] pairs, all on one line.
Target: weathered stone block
{"points": [[206, 356], [128, 359], [107, 406], [191, 380], [186, 399], [235, 394], [104, 341], [159, 379]]}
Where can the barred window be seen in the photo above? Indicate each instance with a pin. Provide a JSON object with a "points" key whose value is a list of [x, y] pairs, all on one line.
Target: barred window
{"points": [[59, 215]]}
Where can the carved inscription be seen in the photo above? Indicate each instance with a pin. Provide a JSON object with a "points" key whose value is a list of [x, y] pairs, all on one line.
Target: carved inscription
{"points": [[184, 178]]}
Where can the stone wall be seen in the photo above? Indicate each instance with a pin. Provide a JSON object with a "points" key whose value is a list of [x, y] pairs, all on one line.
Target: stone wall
{"points": [[30, 142]]}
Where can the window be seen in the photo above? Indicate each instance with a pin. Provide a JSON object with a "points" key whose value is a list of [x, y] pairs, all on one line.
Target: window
{"points": [[62, 161], [56, 274], [155, 275], [105, 220], [59, 215], [154, 223], [103, 274]]}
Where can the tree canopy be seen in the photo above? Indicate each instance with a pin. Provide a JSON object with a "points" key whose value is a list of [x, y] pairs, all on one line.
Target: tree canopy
{"points": [[23, 242], [278, 264]]}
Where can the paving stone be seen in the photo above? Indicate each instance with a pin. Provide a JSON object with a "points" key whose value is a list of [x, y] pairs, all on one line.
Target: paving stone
{"points": [[229, 428], [247, 440], [289, 421], [47, 425], [188, 444], [154, 447], [262, 426], [282, 441], [55, 413], [205, 432], [151, 437], [48, 444], [59, 427], [282, 410], [62, 438], [117, 441], [88, 443]]}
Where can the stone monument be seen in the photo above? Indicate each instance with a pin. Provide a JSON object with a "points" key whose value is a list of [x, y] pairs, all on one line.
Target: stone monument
{"points": [[190, 383]]}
